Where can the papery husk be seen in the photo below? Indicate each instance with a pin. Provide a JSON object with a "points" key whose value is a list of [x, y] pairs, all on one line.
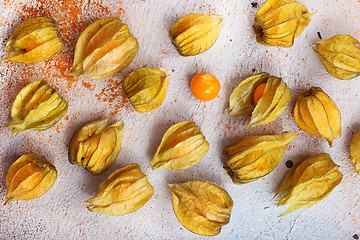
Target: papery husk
{"points": [[253, 157], [355, 152], [29, 177], [37, 106], [125, 191], [182, 146], [340, 56], [34, 40], [96, 146], [146, 88], [310, 182], [274, 100], [279, 22], [195, 33], [104, 48], [201, 207], [317, 114]]}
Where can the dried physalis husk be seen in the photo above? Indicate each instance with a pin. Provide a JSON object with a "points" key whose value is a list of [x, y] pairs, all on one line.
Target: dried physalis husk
{"points": [[146, 88], [355, 151], [125, 191], [95, 145], [317, 114], [340, 56], [310, 182], [253, 157], [275, 97], [279, 22], [34, 40], [195, 33], [201, 207], [182, 146], [103, 49], [37, 107], [29, 177]]}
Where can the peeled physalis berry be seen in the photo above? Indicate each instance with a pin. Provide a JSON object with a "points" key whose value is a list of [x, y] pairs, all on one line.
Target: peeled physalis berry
{"points": [[96, 146], [37, 107], [355, 151], [103, 49], [279, 22], [317, 114], [310, 182], [125, 191], [182, 146], [253, 157], [146, 88], [34, 40], [340, 56], [29, 177], [195, 33], [201, 207], [265, 102]]}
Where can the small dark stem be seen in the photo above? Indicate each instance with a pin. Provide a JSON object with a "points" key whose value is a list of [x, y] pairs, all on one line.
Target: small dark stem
{"points": [[319, 35]]}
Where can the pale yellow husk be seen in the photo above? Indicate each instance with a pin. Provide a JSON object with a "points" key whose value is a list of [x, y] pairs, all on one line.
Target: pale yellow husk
{"points": [[355, 152]]}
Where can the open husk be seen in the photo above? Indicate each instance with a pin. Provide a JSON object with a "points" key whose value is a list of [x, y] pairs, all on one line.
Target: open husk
{"points": [[29, 177], [37, 106], [201, 207], [34, 40], [104, 48], [253, 157], [279, 22], [275, 98], [355, 151], [310, 182], [317, 114], [195, 33], [146, 88], [125, 191], [95, 145]]}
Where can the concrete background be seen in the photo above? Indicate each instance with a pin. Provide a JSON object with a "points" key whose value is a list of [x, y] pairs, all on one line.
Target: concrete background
{"points": [[61, 212]]}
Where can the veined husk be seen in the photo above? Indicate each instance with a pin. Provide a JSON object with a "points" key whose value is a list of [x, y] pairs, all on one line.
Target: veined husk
{"points": [[29, 177], [253, 157], [355, 151], [182, 146], [201, 207], [96, 146], [34, 40], [279, 22], [37, 106], [103, 49], [146, 88], [310, 182], [195, 33], [125, 191], [340, 56], [275, 98], [317, 114]]}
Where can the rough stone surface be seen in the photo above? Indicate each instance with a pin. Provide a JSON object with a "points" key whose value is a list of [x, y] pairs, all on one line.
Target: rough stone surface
{"points": [[61, 212]]}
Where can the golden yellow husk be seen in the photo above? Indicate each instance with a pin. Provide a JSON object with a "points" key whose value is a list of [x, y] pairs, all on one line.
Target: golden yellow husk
{"points": [[310, 182], [34, 40], [195, 33], [340, 56], [37, 106], [103, 49], [96, 146], [279, 22], [182, 146], [146, 88], [253, 157], [355, 151], [275, 98], [29, 177], [201, 207], [317, 114], [125, 191]]}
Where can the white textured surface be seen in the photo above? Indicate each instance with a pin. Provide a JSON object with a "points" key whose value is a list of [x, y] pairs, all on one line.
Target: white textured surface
{"points": [[61, 214]]}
